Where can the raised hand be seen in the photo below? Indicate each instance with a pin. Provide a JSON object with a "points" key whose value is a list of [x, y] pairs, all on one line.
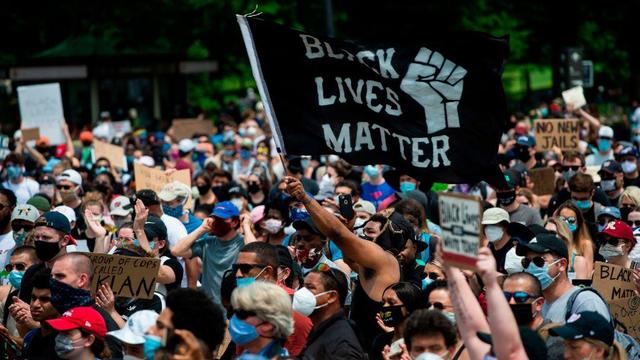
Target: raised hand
{"points": [[487, 267], [105, 298], [142, 213], [436, 84], [295, 188]]}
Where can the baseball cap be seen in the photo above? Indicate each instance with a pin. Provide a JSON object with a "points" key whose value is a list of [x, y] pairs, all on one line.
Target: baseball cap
{"points": [[54, 220], [40, 203], [513, 178], [544, 243], [257, 214], [155, 228], [587, 324], [86, 136], [605, 132], [526, 140], [25, 212], [306, 224], [519, 232], [225, 210], [70, 175], [148, 197], [67, 212], [136, 326], [612, 211], [120, 206], [84, 317], [494, 216], [174, 190], [618, 229], [145, 160], [186, 145], [629, 150], [238, 190], [364, 206], [611, 167]]}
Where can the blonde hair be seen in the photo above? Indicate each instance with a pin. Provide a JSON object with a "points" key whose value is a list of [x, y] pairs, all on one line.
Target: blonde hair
{"points": [[562, 229], [270, 303], [631, 192]]}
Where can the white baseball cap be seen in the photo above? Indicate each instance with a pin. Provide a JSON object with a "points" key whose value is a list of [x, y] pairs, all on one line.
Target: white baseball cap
{"points": [[494, 216], [186, 145], [68, 212], [70, 175], [145, 160], [120, 206], [25, 212], [364, 206], [606, 132], [135, 327], [174, 190]]}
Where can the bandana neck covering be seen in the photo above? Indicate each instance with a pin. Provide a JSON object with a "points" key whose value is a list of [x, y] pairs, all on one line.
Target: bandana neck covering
{"points": [[65, 297]]}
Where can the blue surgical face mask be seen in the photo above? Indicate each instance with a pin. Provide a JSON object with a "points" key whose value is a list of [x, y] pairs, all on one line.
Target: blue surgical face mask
{"points": [[582, 204], [246, 281], [407, 186], [245, 154], [241, 331], [14, 172], [151, 344], [175, 212], [542, 274], [15, 278], [371, 171], [572, 227], [604, 145], [298, 214], [101, 169], [544, 112], [305, 163], [426, 282]]}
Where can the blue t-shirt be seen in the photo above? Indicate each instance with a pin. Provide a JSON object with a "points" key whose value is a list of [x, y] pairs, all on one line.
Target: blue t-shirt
{"points": [[376, 193], [217, 257], [192, 224]]}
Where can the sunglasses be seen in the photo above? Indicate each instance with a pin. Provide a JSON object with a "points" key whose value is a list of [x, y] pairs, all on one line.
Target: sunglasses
{"points": [[246, 268], [64, 187], [611, 241], [537, 261], [520, 297], [18, 266], [18, 227], [570, 219], [433, 275], [572, 167], [244, 314], [633, 223]]}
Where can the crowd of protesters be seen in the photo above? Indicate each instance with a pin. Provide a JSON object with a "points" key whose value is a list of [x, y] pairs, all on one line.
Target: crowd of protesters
{"points": [[270, 257]]}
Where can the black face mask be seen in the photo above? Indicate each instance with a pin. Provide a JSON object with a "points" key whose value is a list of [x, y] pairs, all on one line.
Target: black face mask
{"points": [[506, 198], [392, 316], [203, 189], [624, 212], [253, 188], [65, 297], [522, 153], [522, 313], [45, 251], [102, 188]]}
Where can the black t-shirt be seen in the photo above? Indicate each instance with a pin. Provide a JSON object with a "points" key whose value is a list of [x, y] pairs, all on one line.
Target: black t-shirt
{"points": [[40, 347], [632, 182], [501, 255], [174, 264]]}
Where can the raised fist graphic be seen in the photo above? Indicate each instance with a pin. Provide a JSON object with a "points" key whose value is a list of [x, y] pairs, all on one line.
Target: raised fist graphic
{"points": [[435, 83]]}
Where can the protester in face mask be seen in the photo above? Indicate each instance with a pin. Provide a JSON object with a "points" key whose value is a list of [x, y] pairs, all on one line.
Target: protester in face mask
{"points": [[174, 197], [525, 150], [399, 301], [120, 210], [189, 312], [273, 224], [628, 158], [261, 321], [629, 200], [607, 215], [132, 334], [81, 333], [239, 197], [412, 270], [207, 198], [259, 261], [587, 335], [581, 187], [524, 295], [258, 188], [438, 298], [21, 186], [68, 192], [185, 151], [581, 248], [546, 259], [322, 298], [218, 243], [309, 245], [616, 242], [506, 199], [243, 165], [22, 258], [495, 222], [611, 180], [429, 332], [376, 189], [605, 148]]}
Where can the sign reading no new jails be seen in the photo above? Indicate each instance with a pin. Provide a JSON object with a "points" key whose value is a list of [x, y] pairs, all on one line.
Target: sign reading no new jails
{"points": [[41, 107], [563, 133], [460, 217], [434, 107], [126, 275]]}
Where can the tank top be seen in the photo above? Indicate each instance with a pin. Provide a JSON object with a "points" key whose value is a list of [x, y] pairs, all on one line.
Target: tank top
{"points": [[363, 313]]}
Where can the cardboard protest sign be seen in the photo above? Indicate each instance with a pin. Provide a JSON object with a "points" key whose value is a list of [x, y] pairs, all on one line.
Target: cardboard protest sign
{"points": [[460, 217], [185, 128], [155, 179], [30, 134], [563, 133], [128, 276], [113, 153], [615, 284], [41, 107], [575, 96], [544, 180]]}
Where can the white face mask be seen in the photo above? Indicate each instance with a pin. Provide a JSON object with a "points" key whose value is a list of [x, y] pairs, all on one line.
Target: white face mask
{"points": [[305, 302], [431, 356], [272, 226], [358, 228], [238, 202], [513, 262], [609, 251], [493, 232]]}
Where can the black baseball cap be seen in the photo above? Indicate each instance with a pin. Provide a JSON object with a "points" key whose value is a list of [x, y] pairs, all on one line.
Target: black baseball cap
{"points": [[611, 167], [544, 243], [148, 197], [155, 228], [284, 257], [533, 344], [587, 324], [306, 224], [238, 190], [54, 220], [520, 233]]}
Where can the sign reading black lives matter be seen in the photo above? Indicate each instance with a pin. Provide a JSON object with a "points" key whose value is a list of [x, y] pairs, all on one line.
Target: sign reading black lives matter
{"points": [[460, 217], [434, 108]]}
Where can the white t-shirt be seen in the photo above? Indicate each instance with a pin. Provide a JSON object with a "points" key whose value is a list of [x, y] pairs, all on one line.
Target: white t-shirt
{"points": [[175, 232], [24, 190], [7, 244]]}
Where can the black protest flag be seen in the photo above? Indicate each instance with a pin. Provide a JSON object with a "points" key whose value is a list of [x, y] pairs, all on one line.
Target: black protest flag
{"points": [[434, 109]]}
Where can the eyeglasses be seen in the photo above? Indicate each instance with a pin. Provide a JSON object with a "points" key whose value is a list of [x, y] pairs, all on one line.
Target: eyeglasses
{"points": [[244, 314], [17, 266], [569, 219], [570, 167], [246, 268], [17, 227], [537, 261], [519, 297], [64, 187]]}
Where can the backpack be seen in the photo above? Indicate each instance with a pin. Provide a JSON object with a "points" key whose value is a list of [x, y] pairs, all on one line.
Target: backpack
{"points": [[628, 343]]}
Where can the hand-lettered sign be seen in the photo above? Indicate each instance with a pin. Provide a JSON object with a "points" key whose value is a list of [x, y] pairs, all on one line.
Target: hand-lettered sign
{"points": [[128, 276], [460, 217], [563, 133]]}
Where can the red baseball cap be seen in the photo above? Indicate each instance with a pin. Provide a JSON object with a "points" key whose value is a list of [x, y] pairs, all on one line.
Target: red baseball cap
{"points": [[618, 229], [84, 318]]}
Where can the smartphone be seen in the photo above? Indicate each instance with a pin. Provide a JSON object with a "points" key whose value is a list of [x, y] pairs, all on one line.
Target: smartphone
{"points": [[396, 350], [345, 204]]}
